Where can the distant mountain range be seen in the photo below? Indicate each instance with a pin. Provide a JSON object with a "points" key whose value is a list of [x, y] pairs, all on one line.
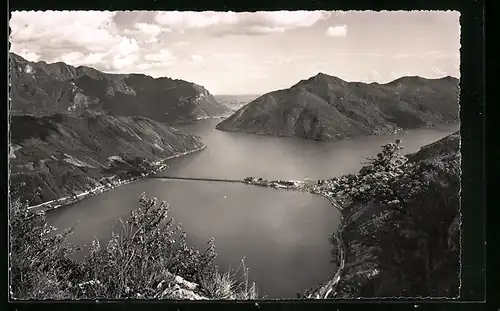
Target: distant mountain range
{"points": [[235, 102], [42, 89], [324, 107]]}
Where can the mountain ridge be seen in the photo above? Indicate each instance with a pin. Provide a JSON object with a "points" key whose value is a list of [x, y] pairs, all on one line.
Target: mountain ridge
{"points": [[325, 107], [43, 89]]}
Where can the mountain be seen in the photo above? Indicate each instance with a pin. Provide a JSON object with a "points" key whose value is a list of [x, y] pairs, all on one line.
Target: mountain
{"points": [[42, 89], [60, 155], [235, 102], [324, 107]]}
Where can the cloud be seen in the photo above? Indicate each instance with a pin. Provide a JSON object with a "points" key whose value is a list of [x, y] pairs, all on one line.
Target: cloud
{"points": [[393, 75], [339, 13], [284, 61], [84, 30], [176, 20], [128, 46], [336, 31], [181, 43], [31, 56], [92, 58], [80, 59], [428, 55], [441, 54], [229, 62], [71, 57], [438, 73], [124, 61], [424, 55], [369, 54], [75, 37], [144, 32], [403, 55], [224, 56], [120, 57], [150, 29], [278, 61], [374, 76], [244, 23], [163, 56], [196, 58], [145, 66]]}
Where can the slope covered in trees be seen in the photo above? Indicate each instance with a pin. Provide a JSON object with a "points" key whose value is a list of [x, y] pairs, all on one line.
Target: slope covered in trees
{"points": [[58, 156], [401, 224]]}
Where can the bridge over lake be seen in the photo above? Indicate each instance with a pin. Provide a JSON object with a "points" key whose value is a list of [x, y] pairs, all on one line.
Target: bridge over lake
{"points": [[199, 179]]}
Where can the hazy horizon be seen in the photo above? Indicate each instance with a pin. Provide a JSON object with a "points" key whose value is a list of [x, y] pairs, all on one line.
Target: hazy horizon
{"points": [[246, 53]]}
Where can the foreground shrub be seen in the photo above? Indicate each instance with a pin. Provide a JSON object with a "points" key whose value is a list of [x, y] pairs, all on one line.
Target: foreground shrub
{"points": [[227, 285], [147, 258], [40, 260]]}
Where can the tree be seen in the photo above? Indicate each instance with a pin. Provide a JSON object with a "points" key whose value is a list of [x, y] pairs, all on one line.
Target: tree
{"points": [[422, 198], [147, 251], [40, 261], [387, 178]]}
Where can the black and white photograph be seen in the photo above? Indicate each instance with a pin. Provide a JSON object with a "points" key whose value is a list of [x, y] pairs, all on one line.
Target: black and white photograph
{"points": [[210, 155]]}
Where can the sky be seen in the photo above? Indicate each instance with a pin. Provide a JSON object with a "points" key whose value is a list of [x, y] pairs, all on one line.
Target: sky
{"points": [[248, 52]]}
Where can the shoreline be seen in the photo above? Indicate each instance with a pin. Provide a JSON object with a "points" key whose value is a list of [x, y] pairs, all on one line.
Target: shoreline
{"points": [[191, 121], [380, 133], [322, 291], [160, 166], [330, 286]]}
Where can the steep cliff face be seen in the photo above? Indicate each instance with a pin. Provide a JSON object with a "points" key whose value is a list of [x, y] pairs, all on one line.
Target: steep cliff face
{"points": [[60, 155], [42, 89], [410, 253], [324, 107]]}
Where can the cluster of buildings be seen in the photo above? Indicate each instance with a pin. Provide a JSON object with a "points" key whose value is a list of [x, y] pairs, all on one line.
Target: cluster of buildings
{"points": [[107, 183], [281, 184]]}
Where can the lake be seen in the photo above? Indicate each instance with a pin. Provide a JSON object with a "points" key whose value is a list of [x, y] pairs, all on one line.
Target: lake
{"points": [[282, 235]]}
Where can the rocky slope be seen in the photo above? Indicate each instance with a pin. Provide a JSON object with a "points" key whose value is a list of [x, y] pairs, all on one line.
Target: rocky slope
{"points": [[391, 254], [324, 107], [61, 155], [42, 89]]}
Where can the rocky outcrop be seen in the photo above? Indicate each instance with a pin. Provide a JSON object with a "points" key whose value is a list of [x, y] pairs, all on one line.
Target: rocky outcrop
{"points": [[42, 89], [324, 107], [180, 289], [58, 156]]}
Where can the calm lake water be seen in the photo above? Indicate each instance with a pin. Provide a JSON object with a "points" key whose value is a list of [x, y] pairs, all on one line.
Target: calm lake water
{"points": [[282, 235]]}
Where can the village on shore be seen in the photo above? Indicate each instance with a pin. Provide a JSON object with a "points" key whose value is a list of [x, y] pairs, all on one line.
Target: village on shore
{"points": [[107, 183], [319, 187], [110, 182]]}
